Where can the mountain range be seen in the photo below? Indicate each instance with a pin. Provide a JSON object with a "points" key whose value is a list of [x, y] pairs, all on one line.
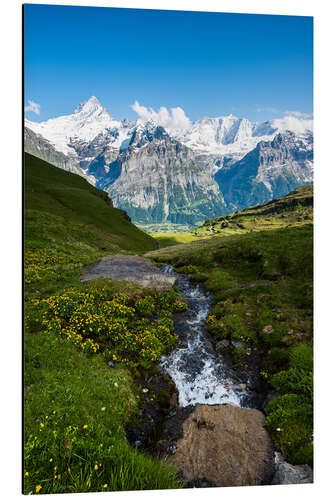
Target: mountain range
{"points": [[158, 175]]}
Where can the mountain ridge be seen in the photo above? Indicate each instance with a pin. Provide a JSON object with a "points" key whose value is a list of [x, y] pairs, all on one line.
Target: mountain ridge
{"points": [[113, 155]]}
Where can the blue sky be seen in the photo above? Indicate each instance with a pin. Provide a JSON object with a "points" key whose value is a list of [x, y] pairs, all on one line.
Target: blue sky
{"points": [[208, 64]]}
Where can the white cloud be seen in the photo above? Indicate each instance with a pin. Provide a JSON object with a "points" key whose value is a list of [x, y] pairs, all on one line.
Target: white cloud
{"points": [[267, 109], [174, 120], [33, 107], [297, 114]]}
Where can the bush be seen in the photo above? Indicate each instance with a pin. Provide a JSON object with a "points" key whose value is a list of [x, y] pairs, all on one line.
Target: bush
{"points": [[146, 306], [294, 380], [277, 359], [301, 357], [290, 416], [290, 423]]}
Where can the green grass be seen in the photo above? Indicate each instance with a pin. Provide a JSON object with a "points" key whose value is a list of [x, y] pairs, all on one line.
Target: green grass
{"points": [[294, 209], [71, 444], [67, 434], [50, 190], [167, 239], [262, 283]]}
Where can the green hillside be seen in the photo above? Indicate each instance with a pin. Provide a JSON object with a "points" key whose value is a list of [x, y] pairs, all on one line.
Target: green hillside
{"points": [[50, 190], [294, 209]]}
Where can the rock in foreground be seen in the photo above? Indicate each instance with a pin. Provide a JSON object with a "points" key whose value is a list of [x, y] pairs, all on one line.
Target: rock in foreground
{"points": [[223, 445], [291, 474], [130, 268]]}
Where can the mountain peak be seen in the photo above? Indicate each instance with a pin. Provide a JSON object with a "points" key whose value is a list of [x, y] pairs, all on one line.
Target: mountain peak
{"points": [[89, 107]]}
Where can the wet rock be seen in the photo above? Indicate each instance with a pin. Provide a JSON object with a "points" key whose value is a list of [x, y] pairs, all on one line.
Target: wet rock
{"points": [[130, 268], [224, 445], [222, 345], [291, 474]]}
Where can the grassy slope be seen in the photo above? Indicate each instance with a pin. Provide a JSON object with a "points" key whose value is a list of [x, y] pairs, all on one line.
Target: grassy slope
{"points": [[167, 239], [71, 444], [56, 192], [273, 316], [295, 209]]}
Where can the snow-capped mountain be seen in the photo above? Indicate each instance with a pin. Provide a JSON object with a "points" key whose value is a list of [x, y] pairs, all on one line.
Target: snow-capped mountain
{"points": [[232, 136], [88, 121], [154, 173]]}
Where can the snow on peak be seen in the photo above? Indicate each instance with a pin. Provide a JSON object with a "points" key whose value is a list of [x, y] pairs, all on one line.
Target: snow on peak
{"points": [[223, 135], [228, 135], [88, 120], [88, 107]]}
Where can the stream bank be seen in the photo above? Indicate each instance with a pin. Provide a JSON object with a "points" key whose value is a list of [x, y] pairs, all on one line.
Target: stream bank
{"points": [[209, 424], [197, 408]]}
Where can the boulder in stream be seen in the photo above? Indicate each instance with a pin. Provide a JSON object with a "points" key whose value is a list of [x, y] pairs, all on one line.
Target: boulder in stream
{"points": [[224, 445]]}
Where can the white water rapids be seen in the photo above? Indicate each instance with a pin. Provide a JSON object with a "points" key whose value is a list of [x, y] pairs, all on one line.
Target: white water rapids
{"points": [[201, 376]]}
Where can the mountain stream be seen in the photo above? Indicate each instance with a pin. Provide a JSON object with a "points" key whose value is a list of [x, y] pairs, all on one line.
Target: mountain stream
{"points": [[200, 374]]}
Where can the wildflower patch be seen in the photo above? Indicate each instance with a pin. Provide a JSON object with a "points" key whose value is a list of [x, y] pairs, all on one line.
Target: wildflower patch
{"points": [[127, 329]]}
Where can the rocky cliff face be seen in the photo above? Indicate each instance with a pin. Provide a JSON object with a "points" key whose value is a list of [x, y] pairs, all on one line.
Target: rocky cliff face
{"points": [[272, 169], [158, 179]]}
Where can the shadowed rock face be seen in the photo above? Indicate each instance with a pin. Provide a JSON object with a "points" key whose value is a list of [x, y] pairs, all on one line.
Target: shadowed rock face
{"points": [[224, 445], [130, 268]]}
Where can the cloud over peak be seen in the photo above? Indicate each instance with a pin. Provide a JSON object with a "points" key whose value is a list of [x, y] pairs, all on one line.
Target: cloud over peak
{"points": [[33, 107], [172, 120], [298, 114]]}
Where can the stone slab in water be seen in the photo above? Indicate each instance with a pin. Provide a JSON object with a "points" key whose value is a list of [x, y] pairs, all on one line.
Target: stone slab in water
{"points": [[132, 268], [224, 445]]}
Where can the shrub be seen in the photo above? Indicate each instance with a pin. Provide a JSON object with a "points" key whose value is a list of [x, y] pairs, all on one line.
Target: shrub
{"points": [[145, 306], [294, 380], [290, 423], [277, 359], [301, 357]]}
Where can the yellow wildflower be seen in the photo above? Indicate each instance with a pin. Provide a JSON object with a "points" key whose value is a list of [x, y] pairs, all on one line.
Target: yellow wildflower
{"points": [[85, 426], [38, 488], [105, 486], [96, 467]]}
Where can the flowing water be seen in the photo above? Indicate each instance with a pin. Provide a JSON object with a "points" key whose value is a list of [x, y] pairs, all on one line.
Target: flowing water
{"points": [[201, 375]]}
